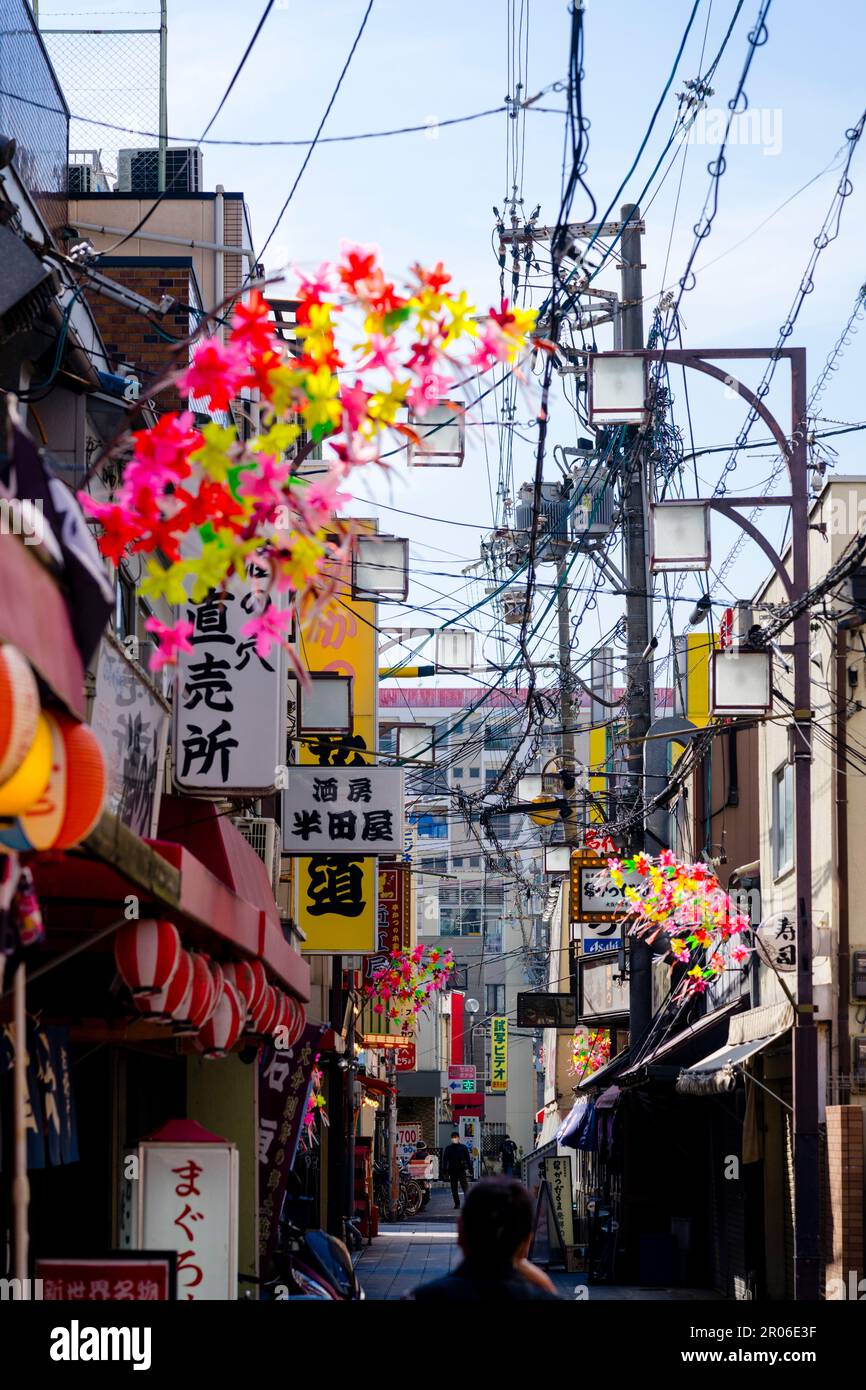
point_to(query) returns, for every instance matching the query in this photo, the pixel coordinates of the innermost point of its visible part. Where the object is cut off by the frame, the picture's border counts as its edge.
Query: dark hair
(454, 1134)
(495, 1220)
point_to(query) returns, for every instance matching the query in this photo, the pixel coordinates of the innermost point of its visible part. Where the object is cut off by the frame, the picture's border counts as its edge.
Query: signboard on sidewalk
(188, 1202)
(144, 1276)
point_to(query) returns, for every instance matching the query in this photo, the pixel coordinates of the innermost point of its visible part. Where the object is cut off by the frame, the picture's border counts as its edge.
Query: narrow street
(412, 1252)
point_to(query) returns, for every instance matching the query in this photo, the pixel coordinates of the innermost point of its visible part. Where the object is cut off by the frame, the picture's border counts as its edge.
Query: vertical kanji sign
(499, 1054)
(188, 1202)
(230, 703)
(336, 892)
(284, 1085)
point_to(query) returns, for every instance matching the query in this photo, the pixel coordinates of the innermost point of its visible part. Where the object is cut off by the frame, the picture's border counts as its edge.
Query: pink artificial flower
(321, 500)
(429, 392)
(321, 282)
(740, 954)
(267, 628)
(354, 401)
(215, 373)
(266, 481)
(172, 639)
(382, 352)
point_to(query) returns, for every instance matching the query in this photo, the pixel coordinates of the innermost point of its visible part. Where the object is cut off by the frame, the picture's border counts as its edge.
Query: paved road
(408, 1253)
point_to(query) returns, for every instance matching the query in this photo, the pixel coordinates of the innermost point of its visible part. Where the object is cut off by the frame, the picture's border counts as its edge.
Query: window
(490, 775)
(782, 826)
(500, 826)
(458, 771)
(475, 861)
(495, 999)
(475, 772)
(430, 827)
(457, 861)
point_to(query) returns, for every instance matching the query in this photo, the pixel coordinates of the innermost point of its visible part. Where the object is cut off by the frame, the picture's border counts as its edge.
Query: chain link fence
(111, 76)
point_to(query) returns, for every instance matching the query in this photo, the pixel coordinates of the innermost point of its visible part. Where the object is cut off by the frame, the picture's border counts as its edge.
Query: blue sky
(429, 198)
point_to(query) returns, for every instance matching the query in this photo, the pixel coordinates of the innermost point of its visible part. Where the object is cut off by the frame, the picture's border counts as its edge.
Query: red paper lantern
(263, 1016)
(260, 984)
(147, 954)
(19, 710)
(85, 780)
(239, 973)
(222, 1030)
(297, 1020)
(173, 1002)
(203, 999)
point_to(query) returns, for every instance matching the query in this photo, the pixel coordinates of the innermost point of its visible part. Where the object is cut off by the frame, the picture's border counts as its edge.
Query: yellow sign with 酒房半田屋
(499, 1053)
(337, 894)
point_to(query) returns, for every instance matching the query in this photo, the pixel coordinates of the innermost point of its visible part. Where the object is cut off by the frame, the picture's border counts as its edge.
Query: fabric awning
(749, 1033)
(663, 1053)
(374, 1085)
(34, 617)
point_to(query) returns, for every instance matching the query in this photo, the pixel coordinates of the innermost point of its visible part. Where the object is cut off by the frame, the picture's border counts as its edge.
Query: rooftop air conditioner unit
(261, 832)
(138, 170)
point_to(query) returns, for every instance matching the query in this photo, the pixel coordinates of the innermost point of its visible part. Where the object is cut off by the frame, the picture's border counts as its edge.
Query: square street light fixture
(680, 536)
(455, 649)
(416, 743)
(742, 682)
(530, 787)
(618, 389)
(557, 859)
(325, 704)
(380, 569)
(441, 435)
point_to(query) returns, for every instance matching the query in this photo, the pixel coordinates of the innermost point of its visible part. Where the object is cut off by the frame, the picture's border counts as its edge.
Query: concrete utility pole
(639, 700)
(571, 828)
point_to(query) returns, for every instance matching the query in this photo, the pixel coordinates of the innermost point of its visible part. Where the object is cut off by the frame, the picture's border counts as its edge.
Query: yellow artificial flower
(323, 406)
(284, 382)
(214, 458)
(384, 405)
(210, 569)
(167, 583)
(461, 312)
(277, 440)
(304, 562)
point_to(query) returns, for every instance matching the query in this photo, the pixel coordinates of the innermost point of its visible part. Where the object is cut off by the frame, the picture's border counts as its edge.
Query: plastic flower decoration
(408, 983)
(315, 1101)
(686, 902)
(590, 1050)
(203, 499)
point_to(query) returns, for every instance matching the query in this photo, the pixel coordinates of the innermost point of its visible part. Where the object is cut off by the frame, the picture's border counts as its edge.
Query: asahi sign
(230, 702)
(343, 810)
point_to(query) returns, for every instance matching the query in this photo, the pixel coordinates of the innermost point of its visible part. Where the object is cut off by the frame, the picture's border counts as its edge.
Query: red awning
(374, 1085)
(84, 894)
(34, 617)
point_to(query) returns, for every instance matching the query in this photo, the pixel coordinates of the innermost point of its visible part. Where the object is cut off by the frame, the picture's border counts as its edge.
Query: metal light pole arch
(795, 581)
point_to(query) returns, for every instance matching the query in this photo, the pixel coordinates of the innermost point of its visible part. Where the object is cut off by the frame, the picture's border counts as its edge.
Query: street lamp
(380, 568)
(680, 536)
(618, 388)
(616, 393)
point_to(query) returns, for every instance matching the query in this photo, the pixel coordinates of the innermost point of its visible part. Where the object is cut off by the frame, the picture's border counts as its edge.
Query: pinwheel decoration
(365, 351)
(590, 1050)
(687, 902)
(407, 984)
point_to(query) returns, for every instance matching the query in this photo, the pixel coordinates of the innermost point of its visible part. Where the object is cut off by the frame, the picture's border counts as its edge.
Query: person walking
(495, 1234)
(508, 1155)
(456, 1165)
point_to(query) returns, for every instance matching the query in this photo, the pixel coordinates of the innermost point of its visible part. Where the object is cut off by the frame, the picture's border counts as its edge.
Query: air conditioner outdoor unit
(262, 833)
(138, 170)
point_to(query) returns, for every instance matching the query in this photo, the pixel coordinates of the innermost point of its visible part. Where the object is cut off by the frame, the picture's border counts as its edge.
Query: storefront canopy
(660, 1061)
(748, 1034)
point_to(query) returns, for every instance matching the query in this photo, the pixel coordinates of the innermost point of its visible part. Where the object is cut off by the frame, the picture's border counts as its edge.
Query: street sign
(546, 1011)
(458, 1071)
(462, 1086)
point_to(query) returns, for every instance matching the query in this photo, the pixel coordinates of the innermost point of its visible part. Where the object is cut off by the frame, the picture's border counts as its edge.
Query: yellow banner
(499, 1054)
(336, 894)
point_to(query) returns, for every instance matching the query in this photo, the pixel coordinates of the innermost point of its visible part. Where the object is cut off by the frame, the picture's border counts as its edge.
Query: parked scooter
(314, 1265)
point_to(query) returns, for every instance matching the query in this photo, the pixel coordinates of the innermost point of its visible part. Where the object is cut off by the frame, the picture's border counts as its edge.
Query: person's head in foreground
(455, 1137)
(495, 1227)
(495, 1233)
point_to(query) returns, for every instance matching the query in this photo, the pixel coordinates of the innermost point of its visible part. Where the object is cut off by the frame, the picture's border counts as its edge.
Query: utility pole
(571, 828)
(638, 605)
(163, 91)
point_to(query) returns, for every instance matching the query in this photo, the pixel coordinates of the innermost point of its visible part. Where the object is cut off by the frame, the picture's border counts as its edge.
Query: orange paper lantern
(39, 827)
(19, 710)
(24, 788)
(86, 782)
